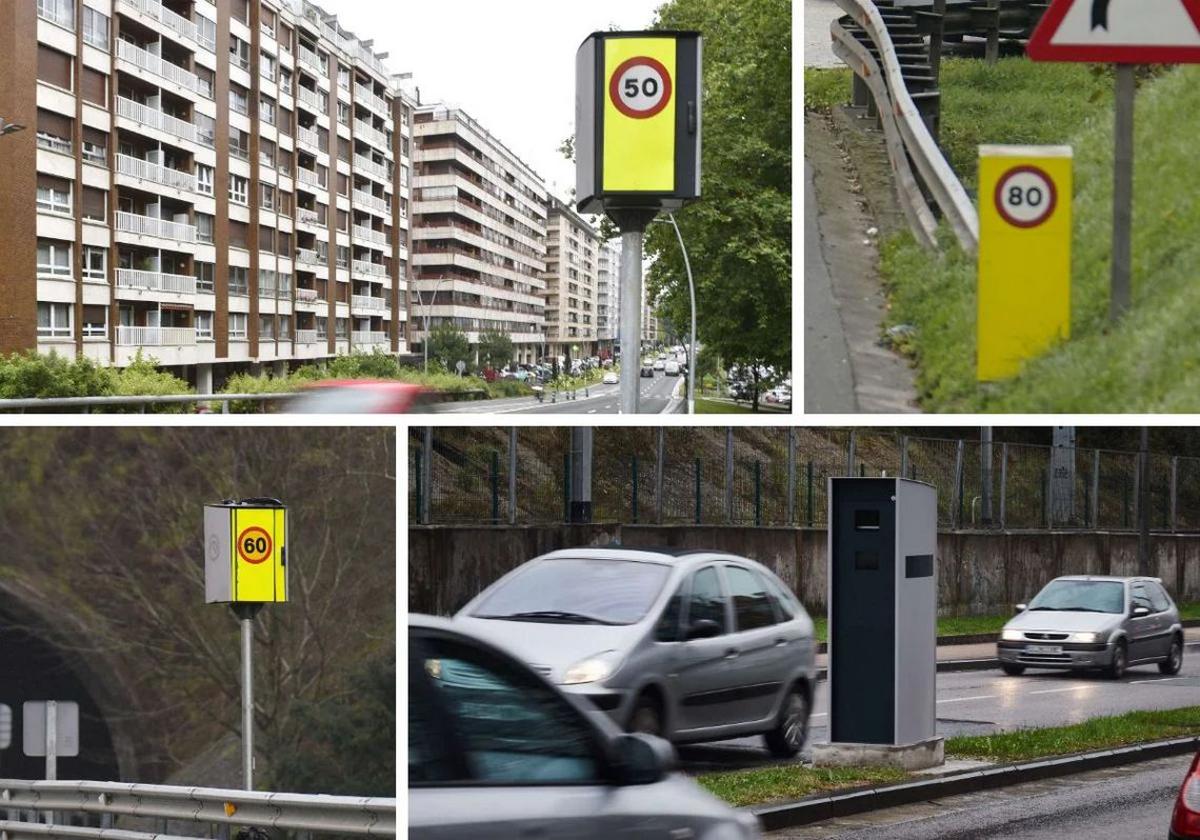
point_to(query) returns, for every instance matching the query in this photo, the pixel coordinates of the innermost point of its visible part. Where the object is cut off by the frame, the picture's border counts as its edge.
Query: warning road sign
(1119, 31)
(1025, 196)
(640, 87)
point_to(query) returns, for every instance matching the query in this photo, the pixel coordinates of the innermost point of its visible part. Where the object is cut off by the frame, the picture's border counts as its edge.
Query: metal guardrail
(909, 141)
(320, 813)
(88, 403)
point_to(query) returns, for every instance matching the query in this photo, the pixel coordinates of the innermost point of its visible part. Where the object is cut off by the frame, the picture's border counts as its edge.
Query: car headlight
(1085, 637)
(592, 669)
(1012, 636)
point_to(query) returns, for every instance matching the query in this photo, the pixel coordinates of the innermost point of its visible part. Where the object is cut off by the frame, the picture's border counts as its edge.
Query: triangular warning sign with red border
(1119, 31)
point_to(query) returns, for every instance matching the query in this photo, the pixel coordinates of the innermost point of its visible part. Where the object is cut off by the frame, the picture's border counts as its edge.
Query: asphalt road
(978, 702)
(1120, 803)
(601, 399)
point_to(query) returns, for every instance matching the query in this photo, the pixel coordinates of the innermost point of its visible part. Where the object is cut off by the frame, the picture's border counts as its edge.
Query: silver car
(689, 645)
(1083, 622)
(496, 751)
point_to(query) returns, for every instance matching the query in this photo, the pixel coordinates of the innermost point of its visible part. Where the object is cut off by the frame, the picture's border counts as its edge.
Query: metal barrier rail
(87, 403)
(368, 816)
(908, 137)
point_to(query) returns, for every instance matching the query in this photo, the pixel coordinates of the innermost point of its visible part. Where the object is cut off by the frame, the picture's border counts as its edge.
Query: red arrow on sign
(1119, 32)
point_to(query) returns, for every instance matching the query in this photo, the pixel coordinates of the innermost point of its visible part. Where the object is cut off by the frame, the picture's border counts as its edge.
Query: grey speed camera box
(882, 611)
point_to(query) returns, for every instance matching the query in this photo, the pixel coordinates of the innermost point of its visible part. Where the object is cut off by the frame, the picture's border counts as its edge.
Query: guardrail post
(512, 475)
(635, 490)
(1003, 486)
(659, 466)
(992, 54)
(729, 475)
(758, 494)
(936, 38)
(1095, 488)
(791, 476)
(495, 482)
(697, 491)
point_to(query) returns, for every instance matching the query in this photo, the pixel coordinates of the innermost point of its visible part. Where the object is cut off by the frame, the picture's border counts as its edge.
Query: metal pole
(1122, 245)
(659, 465)
(687, 264)
(1096, 488)
(985, 457)
(512, 476)
(1143, 504)
(1003, 483)
(850, 453)
(791, 476)
(631, 317)
(424, 478)
(581, 474)
(51, 742)
(247, 622)
(957, 513)
(729, 474)
(1174, 489)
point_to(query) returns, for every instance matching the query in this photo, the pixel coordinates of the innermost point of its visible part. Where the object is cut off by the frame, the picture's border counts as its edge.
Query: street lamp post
(687, 265)
(425, 307)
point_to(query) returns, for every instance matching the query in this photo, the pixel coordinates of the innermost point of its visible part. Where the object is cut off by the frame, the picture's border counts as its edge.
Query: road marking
(965, 699)
(1059, 690)
(593, 411)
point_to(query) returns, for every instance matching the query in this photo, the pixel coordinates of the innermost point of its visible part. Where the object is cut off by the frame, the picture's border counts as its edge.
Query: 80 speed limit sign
(1026, 196)
(640, 87)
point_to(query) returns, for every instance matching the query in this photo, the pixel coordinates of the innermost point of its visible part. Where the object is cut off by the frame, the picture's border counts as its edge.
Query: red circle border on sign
(998, 198)
(270, 544)
(614, 93)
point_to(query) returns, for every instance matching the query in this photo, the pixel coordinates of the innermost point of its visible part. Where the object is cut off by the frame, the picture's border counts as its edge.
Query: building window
(95, 204)
(266, 283)
(54, 67)
(343, 115)
(95, 87)
(95, 146)
(237, 234)
(95, 263)
(238, 187)
(207, 31)
(237, 100)
(54, 195)
(206, 78)
(204, 179)
(239, 283)
(285, 326)
(54, 131)
(239, 143)
(266, 326)
(53, 258)
(54, 320)
(95, 28)
(204, 277)
(239, 52)
(206, 130)
(204, 228)
(60, 12)
(237, 324)
(95, 321)
(204, 322)
(266, 66)
(266, 153)
(341, 327)
(268, 197)
(285, 80)
(283, 283)
(266, 109)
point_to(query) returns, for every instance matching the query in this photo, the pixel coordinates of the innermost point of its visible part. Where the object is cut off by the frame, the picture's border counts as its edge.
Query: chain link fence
(760, 476)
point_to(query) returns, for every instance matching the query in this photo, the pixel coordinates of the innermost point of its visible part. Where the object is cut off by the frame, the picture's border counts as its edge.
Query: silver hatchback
(691, 645)
(1083, 622)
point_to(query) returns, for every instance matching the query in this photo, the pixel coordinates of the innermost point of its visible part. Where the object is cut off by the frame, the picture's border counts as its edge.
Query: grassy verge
(707, 406)
(771, 784)
(1096, 734)
(825, 88)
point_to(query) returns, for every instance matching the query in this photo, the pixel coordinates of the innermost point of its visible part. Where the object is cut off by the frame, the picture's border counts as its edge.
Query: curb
(818, 809)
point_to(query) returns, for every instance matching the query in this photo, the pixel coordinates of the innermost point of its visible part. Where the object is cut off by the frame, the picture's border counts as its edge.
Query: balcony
(144, 170)
(305, 255)
(156, 336)
(368, 133)
(373, 304)
(376, 237)
(308, 138)
(149, 117)
(311, 60)
(369, 201)
(307, 176)
(181, 26)
(306, 336)
(306, 295)
(369, 337)
(155, 281)
(367, 166)
(151, 63)
(370, 268)
(150, 226)
(310, 217)
(375, 103)
(313, 100)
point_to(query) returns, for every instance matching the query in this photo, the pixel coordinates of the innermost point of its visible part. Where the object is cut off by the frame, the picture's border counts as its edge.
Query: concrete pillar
(279, 367)
(204, 379)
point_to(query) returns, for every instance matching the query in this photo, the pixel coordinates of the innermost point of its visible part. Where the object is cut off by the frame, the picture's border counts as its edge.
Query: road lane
(656, 397)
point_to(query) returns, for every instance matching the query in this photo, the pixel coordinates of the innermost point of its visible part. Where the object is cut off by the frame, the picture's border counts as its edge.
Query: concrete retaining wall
(979, 573)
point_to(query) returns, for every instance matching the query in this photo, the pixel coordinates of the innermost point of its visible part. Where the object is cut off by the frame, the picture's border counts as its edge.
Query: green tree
(449, 345)
(738, 235)
(495, 348)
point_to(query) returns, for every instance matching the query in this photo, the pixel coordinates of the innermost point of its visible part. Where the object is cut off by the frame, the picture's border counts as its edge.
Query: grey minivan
(690, 645)
(1086, 622)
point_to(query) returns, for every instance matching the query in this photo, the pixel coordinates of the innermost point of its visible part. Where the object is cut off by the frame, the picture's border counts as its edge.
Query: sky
(510, 65)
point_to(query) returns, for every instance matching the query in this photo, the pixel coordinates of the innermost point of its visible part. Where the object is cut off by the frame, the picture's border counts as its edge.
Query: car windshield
(1105, 596)
(577, 591)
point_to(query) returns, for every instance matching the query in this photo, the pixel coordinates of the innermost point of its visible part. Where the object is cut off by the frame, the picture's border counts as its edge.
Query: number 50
(648, 87)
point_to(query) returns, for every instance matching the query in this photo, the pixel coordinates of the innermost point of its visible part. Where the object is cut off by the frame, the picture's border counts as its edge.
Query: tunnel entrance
(31, 668)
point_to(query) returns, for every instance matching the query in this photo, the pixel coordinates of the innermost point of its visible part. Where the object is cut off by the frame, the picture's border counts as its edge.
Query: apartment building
(478, 234)
(651, 335)
(572, 283)
(608, 298)
(211, 184)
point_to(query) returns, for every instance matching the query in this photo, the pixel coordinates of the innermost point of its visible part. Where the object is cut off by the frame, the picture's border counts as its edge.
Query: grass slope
(1150, 361)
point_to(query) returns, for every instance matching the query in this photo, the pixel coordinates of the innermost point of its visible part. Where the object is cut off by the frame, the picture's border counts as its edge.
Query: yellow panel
(255, 554)
(639, 153)
(278, 559)
(1024, 258)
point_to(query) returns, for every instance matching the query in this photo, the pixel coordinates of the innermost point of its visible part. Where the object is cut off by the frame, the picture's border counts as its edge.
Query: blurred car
(647, 370)
(1082, 622)
(611, 378)
(650, 636)
(659, 364)
(363, 396)
(496, 751)
(1185, 820)
(780, 395)
(671, 368)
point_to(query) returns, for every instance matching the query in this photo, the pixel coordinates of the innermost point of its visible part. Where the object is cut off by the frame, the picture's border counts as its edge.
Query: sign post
(245, 565)
(1024, 298)
(637, 151)
(50, 729)
(1124, 34)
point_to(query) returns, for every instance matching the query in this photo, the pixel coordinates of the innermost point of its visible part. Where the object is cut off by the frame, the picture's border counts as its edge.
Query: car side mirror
(1022, 607)
(705, 628)
(640, 759)
(1138, 612)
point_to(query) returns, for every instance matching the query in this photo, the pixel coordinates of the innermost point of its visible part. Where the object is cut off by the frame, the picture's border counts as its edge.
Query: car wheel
(1174, 660)
(789, 734)
(647, 717)
(1013, 670)
(1116, 668)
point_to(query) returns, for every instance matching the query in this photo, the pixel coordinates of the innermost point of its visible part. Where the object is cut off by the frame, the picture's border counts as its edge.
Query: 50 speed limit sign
(640, 87)
(1026, 196)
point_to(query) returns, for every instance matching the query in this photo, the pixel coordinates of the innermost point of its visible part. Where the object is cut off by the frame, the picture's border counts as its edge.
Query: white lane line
(965, 699)
(1060, 690)
(1162, 680)
(593, 411)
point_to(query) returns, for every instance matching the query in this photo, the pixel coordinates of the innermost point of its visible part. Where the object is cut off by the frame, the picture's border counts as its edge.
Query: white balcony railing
(306, 255)
(179, 25)
(369, 337)
(306, 336)
(370, 167)
(310, 58)
(308, 137)
(147, 116)
(368, 133)
(309, 217)
(315, 101)
(150, 226)
(367, 234)
(306, 295)
(151, 63)
(370, 201)
(375, 304)
(307, 176)
(375, 103)
(146, 171)
(156, 336)
(371, 268)
(155, 281)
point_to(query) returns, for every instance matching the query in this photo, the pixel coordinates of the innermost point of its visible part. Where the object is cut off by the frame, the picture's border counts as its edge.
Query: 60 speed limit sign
(1026, 196)
(640, 87)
